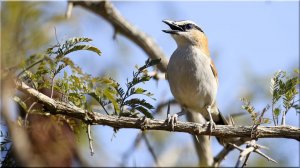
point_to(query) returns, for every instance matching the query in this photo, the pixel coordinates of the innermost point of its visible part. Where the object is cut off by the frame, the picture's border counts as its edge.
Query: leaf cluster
(49, 70)
(284, 90)
(123, 100)
(256, 116)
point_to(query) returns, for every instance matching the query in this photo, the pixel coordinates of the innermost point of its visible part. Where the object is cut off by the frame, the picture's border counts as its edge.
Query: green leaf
(83, 47)
(120, 91)
(145, 111)
(111, 98)
(135, 101)
(139, 91)
(266, 121)
(109, 81)
(75, 98)
(76, 40)
(70, 63)
(33, 58)
(20, 103)
(277, 111)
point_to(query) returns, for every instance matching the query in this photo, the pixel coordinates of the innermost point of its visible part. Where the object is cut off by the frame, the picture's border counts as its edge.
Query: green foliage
(76, 86)
(122, 99)
(48, 71)
(53, 61)
(141, 76)
(284, 90)
(257, 117)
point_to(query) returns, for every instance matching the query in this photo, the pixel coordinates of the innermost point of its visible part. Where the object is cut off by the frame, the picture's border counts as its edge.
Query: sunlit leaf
(83, 47)
(110, 97)
(277, 111)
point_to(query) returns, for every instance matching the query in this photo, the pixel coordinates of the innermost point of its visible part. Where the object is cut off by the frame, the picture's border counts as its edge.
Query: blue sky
(245, 38)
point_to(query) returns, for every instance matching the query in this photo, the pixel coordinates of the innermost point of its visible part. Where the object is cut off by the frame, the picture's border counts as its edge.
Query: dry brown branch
(224, 131)
(227, 148)
(107, 11)
(251, 147)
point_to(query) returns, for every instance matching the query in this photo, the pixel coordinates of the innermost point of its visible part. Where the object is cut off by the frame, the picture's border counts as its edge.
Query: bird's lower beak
(174, 27)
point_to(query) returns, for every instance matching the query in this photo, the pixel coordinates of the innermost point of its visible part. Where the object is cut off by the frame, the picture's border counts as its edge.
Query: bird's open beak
(173, 26)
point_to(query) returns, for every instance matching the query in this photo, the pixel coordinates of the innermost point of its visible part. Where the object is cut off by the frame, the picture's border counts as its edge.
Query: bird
(192, 74)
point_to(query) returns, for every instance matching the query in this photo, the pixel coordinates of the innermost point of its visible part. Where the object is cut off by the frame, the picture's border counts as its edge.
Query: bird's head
(187, 32)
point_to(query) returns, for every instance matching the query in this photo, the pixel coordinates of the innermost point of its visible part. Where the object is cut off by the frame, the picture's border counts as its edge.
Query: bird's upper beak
(174, 27)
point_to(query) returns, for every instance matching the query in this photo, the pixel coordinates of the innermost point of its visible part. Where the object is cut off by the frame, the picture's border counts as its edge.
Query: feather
(214, 70)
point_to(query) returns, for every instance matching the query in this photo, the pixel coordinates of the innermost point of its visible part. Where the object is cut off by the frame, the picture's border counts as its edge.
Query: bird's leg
(211, 123)
(172, 119)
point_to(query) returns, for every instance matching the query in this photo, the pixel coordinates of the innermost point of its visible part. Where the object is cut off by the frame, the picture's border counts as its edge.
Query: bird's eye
(188, 26)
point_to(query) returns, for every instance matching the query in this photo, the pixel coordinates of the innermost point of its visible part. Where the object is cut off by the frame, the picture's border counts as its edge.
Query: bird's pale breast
(191, 79)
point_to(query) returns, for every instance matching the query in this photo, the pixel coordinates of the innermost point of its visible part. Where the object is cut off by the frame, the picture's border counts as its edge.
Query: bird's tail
(224, 141)
(221, 119)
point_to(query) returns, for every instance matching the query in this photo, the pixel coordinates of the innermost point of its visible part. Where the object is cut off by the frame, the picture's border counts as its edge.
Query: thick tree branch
(106, 10)
(121, 25)
(224, 131)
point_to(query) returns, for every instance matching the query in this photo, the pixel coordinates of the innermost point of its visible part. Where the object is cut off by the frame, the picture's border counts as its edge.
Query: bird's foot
(172, 120)
(211, 126)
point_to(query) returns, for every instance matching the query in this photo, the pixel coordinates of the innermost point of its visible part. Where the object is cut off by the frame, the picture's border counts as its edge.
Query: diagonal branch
(107, 11)
(224, 131)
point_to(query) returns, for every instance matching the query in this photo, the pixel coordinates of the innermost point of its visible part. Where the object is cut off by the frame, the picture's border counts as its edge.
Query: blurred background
(249, 42)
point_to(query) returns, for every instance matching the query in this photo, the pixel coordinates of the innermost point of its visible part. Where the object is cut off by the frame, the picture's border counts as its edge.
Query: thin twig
(131, 149)
(264, 155)
(258, 122)
(244, 154)
(273, 113)
(27, 114)
(108, 11)
(52, 86)
(160, 106)
(168, 109)
(101, 104)
(221, 155)
(150, 149)
(251, 147)
(246, 159)
(283, 118)
(238, 162)
(32, 65)
(90, 139)
(237, 147)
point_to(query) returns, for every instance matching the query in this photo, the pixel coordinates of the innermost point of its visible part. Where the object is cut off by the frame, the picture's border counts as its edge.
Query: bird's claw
(211, 127)
(172, 120)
